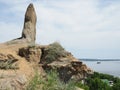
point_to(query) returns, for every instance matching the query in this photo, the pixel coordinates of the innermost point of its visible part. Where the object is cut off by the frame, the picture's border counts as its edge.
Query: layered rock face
(55, 57)
(68, 69)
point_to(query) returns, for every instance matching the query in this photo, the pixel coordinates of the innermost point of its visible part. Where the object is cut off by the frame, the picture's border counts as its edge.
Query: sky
(86, 28)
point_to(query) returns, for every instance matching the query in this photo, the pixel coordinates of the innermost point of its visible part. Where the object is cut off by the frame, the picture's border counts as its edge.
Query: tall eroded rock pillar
(29, 28)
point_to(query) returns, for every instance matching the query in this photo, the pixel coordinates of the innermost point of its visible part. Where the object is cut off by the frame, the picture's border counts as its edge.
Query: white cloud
(82, 24)
(13, 2)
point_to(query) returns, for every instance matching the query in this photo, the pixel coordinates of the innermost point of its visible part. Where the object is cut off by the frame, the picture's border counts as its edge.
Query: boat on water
(98, 62)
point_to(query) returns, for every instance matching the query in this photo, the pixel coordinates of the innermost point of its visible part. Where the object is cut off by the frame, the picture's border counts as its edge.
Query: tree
(116, 86)
(97, 84)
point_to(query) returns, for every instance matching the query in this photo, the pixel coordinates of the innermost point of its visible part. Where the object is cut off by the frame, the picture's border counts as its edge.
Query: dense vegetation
(95, 82)
(52, 82)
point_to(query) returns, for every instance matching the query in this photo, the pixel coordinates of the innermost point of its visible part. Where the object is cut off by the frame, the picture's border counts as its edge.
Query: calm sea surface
(108, 67)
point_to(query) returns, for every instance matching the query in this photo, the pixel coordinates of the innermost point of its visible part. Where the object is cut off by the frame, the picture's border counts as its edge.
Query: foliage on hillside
(95, 82)
(53, 52)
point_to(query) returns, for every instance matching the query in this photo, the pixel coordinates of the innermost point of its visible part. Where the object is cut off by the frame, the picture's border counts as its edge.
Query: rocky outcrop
(55, 57)
(29, 28)
(16, 71)
(21, 57)
(32, 54)
(69, 69)
(4, 56)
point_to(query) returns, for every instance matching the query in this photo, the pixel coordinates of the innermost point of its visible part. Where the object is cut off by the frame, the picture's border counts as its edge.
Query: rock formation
(15, 71)
(32, 54)
(69, 69)
(55, 57)
(21, 57)
(29, 28)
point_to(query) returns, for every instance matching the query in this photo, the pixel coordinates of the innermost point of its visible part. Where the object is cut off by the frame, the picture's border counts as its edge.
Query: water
(107, 67)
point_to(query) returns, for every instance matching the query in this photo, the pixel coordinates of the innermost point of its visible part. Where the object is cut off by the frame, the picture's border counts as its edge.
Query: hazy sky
(87, 28)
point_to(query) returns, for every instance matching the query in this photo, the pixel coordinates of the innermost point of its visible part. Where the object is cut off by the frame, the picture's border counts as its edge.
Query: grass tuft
(52, 82)
(8, 64)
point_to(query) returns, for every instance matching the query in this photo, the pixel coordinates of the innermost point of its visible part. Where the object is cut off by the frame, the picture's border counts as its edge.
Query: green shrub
(97, 84)
(54, 83)
(8, 64)
(80, 85)
(102, 76)
(35, 83)
(116, 86)
(53, 52)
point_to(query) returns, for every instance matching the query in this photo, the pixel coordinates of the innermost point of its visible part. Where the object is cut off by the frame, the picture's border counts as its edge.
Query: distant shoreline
(104, 66)
(99, 59)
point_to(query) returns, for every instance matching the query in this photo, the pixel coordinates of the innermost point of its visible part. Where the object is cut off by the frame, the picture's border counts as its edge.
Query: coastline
(106, 67)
